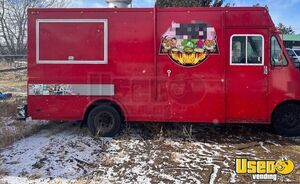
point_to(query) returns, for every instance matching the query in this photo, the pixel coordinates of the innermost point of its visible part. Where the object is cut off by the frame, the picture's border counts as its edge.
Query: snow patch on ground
(65, 153)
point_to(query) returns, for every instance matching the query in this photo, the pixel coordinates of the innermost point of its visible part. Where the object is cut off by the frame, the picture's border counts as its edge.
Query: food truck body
(108, 66)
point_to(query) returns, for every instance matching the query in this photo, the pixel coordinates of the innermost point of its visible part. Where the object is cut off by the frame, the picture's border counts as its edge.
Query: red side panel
(254, 18)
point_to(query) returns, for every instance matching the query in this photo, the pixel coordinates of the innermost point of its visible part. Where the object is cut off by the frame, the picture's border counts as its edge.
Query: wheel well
(100, 102)
(296, 102)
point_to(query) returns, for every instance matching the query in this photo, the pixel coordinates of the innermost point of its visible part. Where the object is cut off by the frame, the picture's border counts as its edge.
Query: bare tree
(189, 3)
(285, 29)
(13, 23)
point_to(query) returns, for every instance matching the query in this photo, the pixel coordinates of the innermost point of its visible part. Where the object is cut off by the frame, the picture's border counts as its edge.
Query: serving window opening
(71, 41)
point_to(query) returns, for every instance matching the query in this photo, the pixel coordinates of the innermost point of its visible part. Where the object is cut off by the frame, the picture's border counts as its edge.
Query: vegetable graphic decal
(189, 44)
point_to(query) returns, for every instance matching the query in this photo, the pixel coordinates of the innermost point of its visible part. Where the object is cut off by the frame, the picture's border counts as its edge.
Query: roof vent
(119, 3)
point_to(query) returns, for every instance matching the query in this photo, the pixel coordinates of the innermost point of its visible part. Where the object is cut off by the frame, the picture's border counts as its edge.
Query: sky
(284, 11)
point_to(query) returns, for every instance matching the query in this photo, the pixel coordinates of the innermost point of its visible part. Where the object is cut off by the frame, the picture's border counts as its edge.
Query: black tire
(286, 120)
(104, 121)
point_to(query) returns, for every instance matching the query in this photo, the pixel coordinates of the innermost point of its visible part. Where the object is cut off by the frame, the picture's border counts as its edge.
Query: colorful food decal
(189, 44)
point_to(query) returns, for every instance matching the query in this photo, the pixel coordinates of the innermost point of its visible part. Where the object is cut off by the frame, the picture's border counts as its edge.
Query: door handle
(266, 70)
(169, 73)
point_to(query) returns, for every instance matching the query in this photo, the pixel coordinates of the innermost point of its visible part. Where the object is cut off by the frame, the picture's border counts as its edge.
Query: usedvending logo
(264, 169)
(189, 44)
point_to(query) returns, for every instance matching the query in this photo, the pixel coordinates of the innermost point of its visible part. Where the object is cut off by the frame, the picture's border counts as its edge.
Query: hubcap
(290, 119)
(104, 122)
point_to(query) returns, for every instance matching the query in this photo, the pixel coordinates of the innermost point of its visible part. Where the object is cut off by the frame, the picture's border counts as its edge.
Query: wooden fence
(13, 62)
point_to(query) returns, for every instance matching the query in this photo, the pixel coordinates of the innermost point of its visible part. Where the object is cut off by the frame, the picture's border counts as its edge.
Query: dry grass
(10, 129)
(2, 173)
(160, 131)
(19, 131)
(8, 108)
(82, 181)
(4, 65)
(14, 82)
(2, 182)
(107, 161)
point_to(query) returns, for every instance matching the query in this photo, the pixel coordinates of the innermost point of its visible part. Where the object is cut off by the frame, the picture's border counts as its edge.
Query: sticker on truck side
(189, 44)
(72, 89)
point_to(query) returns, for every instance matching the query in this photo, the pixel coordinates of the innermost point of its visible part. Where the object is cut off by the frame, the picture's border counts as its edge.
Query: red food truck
(114, 65)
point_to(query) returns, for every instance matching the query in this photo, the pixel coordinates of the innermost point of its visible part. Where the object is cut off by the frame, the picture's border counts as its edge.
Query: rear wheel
(286, 120)
(105, 121)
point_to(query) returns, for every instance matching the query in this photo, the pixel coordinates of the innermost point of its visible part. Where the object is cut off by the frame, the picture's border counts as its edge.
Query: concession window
(71, 41)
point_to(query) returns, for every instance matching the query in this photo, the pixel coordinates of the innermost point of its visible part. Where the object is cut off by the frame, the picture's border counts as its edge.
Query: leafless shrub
(188, 131)
(161, 132)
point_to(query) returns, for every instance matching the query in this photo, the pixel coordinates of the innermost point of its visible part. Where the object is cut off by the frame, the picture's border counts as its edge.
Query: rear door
(247, 75)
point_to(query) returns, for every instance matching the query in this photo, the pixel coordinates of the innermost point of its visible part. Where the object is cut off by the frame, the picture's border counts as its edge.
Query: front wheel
(286, 120)
(105, 121)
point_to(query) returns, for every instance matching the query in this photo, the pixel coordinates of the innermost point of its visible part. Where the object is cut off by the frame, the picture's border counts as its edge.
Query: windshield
(277, 56)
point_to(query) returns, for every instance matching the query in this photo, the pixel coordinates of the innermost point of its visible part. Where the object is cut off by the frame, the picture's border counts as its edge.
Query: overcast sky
(285, 11)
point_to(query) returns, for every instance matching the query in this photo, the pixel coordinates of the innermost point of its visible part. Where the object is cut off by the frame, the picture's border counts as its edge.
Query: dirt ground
(62, 152)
